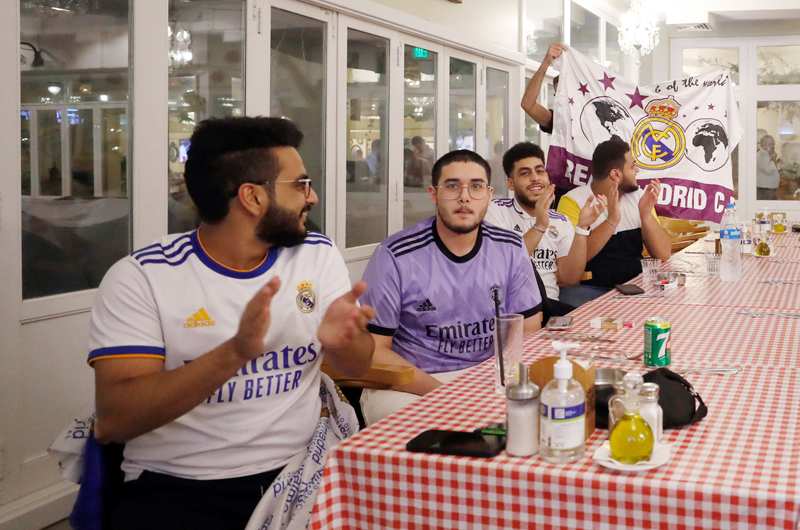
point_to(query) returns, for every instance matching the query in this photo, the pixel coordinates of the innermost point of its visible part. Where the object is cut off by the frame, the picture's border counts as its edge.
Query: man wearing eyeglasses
(433, 286)
(557, 250)
(207, 345)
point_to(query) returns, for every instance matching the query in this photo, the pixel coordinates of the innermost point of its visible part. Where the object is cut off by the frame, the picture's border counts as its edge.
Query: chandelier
(639, 31)
(180, 45)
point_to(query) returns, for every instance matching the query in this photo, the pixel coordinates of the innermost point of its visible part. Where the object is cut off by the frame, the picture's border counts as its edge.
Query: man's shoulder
(580, 194)
(408, 240)
(172, 250)
(558, 217)
(501, 236)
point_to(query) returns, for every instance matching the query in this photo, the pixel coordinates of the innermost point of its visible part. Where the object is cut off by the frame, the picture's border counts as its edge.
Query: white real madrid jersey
(555, 243)
(172, 301)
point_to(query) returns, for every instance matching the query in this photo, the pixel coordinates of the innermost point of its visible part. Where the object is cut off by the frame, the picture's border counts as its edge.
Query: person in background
(767, 175)
(530, 104)
(614, 247)
(423, 155)
(207, 345)
(373, 159)
(557, 250)
(433, 284)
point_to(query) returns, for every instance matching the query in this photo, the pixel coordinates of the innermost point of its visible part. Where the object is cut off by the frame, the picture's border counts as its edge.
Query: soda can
(657, 337)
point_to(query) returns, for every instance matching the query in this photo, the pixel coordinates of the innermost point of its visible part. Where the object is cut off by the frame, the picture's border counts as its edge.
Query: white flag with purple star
(681, 132)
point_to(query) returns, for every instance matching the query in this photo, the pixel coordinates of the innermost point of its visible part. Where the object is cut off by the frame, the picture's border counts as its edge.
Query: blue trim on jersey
(316, 238)
(501, 235)
(126, 350)
(556, 215)
(230, 273)
(505, 203)
(172, 263)
(163, 253)
(163, 249)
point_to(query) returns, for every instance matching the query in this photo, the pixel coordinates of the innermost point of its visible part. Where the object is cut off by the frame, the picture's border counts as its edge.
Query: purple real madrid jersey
(439, 307)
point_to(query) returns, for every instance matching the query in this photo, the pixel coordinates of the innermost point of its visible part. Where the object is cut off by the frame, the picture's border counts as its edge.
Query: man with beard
(433, 286)
(556, 249)
(614, 247)
(211, 393)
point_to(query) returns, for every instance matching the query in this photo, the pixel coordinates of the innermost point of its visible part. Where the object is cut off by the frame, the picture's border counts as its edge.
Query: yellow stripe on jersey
(128, 356)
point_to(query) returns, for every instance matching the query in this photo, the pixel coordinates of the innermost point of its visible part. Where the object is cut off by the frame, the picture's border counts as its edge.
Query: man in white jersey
(557, 250)
(207, 345)
(434, 286)
(614, 247)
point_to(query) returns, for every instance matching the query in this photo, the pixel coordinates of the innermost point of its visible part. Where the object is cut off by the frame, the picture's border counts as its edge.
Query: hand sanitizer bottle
(562, 422)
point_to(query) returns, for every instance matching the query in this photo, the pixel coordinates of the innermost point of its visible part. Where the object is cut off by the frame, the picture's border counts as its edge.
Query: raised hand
(249, 339)
(593, 209)
(543, 204)
(613, 205)
(345, 320)
(554, 51)
(650, 197)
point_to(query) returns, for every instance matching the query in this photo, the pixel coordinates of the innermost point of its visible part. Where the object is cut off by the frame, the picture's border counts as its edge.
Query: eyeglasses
(305, 183)
(453, 190)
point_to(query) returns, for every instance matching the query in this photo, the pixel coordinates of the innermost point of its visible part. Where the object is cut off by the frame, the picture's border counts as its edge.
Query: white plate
(661, 455)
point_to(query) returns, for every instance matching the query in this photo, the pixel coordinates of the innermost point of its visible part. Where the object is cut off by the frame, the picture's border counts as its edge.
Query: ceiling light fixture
(54, 88)
(638, 32)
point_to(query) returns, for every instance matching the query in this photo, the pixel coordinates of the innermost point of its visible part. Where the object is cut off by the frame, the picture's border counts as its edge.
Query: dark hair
(555, 81)
(607, 156)
(226, 153)
(461, 155)
(417, 140)
(519, 152)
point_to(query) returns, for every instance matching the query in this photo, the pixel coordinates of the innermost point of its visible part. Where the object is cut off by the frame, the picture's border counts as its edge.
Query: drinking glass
(650, 269)
(712, 264)
(507, 350)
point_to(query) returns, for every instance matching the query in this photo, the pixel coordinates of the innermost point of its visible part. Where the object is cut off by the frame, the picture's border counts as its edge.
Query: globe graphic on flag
(603, 119)
(707, 144)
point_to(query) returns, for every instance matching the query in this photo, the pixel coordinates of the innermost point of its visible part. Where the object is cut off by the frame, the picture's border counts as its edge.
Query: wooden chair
(682, 232)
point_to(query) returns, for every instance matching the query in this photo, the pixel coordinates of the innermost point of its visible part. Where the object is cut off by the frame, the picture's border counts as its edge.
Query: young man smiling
(432, 286)
(556, 249)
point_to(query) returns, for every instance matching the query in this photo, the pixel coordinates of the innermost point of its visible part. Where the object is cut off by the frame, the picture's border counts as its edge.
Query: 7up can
(657, 334)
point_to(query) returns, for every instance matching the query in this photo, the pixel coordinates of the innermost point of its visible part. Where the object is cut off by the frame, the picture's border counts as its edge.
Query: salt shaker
(522, 416)
(651, 411)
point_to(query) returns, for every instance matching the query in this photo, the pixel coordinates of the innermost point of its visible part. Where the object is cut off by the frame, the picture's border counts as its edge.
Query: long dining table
(737, 468)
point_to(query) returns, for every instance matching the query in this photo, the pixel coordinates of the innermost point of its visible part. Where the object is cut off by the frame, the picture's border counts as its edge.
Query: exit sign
(420, 52)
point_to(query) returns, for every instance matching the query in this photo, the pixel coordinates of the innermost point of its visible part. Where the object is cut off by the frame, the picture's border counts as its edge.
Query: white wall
(496, 21)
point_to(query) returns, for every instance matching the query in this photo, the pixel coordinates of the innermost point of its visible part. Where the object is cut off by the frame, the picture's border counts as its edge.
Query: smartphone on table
(629, 289)
(559, 323)
(457, 443)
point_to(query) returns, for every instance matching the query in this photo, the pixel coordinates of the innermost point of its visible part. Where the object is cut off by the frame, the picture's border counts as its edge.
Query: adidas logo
(199, 320)
(517, 229)
(426, 306)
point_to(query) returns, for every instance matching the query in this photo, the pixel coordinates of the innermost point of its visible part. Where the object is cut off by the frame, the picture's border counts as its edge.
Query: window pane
(367, 133)
(419, 149)
(81, 152)
(532, 132)
(206, 76)
(297, 92)
(543, 26)
(74, 83)
(697, 61)
(778, 156)
(497, 126)
(615, 59)
(585, 31)
(462, 104)
(779, 65)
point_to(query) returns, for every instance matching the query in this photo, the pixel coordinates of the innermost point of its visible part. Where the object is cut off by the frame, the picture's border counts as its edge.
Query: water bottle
(730, 234)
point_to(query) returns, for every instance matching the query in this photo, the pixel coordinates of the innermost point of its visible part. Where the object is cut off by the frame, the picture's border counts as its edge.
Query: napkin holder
(541, 373)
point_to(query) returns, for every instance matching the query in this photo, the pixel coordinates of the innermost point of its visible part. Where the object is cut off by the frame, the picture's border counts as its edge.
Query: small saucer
(661, 455)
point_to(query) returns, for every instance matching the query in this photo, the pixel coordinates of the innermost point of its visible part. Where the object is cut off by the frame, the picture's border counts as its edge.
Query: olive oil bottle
(632, 438)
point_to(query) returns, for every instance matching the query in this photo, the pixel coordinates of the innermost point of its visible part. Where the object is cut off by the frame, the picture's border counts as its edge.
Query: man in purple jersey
(432, 286)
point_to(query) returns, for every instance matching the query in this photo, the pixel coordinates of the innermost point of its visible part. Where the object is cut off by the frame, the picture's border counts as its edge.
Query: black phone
(629, 289)
(457, 443)
(795, 228)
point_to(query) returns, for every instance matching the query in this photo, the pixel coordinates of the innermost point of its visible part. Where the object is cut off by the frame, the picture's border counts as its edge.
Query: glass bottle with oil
(764, 247)
(632, 439)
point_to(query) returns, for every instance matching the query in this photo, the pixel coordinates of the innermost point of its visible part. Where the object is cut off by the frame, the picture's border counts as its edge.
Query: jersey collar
(446, 251)
(219, 268)
(519, 210)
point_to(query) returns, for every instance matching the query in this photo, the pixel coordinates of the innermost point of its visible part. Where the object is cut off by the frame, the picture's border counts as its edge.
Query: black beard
(524, 200)
(627, 188)
(459, 229)
(281, 227)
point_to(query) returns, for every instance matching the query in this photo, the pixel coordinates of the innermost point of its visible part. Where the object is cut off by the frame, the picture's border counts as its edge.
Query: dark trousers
(155, 501)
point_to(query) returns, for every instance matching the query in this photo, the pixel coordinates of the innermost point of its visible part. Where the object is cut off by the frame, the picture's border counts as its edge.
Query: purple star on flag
(608, 82)
(571, 101)
(583, 89)
(710, 106)
(697, 108)
(726, 113)
(636, 99)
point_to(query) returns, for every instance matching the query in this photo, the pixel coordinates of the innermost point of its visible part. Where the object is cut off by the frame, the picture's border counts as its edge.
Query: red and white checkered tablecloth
(738, 468)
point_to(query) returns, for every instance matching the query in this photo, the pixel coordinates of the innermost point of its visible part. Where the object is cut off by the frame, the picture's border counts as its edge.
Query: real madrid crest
(306, 299)
(552, 232)
(658, 141)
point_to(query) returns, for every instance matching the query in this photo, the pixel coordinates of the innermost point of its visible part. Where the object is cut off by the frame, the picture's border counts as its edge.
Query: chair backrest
(379, 376)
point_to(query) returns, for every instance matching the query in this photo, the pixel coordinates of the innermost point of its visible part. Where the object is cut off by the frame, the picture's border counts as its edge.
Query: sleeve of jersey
(524, 296)
(493, 216)
(565, 244)
(336, 278)
(383, 292)
(570, 208)
(125, 322)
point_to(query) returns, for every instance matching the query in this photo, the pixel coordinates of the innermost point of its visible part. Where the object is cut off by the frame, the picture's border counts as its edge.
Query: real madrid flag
(681, 132)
